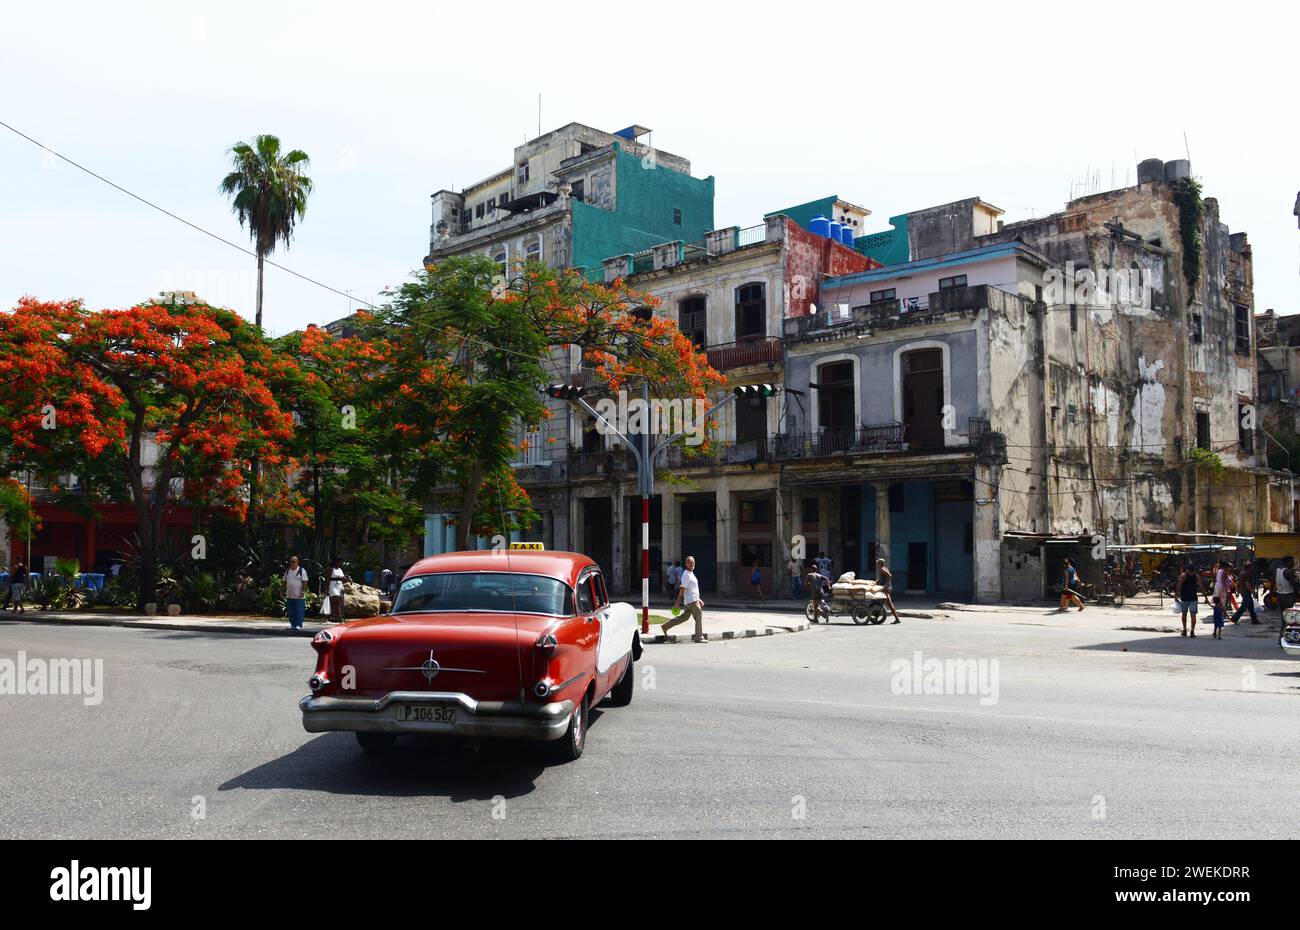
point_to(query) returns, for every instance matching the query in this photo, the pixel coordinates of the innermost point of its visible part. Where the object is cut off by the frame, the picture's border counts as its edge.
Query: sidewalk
(265, 626)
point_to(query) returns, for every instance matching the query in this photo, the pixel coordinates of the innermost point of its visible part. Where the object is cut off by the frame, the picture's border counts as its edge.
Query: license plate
(426, 713)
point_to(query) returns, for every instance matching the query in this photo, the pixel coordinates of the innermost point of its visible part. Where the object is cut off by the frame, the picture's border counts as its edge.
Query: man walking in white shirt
(688, 598)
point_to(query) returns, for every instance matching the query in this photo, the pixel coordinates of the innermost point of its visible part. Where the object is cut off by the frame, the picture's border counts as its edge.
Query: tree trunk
(469, 503)
(260, 261)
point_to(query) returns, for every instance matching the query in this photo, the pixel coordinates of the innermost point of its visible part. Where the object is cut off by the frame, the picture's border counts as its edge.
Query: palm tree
(270, 195)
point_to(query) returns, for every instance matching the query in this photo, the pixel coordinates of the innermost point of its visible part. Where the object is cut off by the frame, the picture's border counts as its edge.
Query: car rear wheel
(570, 746)
(376, 742)
(621, 694)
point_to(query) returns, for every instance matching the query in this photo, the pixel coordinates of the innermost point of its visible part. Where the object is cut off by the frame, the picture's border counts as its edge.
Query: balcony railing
(881, 437)
(751, 235)
(746, 352)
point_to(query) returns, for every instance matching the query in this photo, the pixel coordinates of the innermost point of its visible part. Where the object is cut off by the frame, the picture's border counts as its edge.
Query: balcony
(881, 437)
(761, 351)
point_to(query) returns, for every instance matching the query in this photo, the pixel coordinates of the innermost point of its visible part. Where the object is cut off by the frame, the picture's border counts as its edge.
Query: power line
(179, 219)
(252, 254)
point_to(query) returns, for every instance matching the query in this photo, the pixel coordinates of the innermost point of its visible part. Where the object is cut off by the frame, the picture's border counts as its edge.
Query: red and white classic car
(490, 644)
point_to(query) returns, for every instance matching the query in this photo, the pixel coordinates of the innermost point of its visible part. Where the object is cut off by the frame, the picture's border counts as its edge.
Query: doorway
(923, 399)
(918, 566)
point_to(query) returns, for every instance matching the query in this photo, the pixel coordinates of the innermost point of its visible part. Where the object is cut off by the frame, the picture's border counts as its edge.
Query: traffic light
(756, 390)
(565, 391)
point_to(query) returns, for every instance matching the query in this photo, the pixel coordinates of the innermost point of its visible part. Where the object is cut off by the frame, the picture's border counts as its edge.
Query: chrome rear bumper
(480, 719)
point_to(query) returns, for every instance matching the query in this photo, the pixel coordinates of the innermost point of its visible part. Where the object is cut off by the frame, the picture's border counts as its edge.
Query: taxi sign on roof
(528, 545)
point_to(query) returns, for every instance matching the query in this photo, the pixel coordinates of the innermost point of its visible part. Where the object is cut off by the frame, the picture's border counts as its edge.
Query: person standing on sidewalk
(885, 578)
(796, 572)
(336, 579)
(756, 582)
(1219, 598)
(688, 598)
(1246, 587)
(1188, 591)
(295, 593)
(18, 586)
(1285, 584)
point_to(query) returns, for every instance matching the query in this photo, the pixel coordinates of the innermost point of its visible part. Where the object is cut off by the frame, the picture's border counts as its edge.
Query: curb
(216, 627)
(729, 634)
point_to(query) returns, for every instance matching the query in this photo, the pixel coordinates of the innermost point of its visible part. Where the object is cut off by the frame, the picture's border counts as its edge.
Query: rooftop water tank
(1178, 169)
(1150, 169)
(846, 235)
(836, 230)
(820, 226)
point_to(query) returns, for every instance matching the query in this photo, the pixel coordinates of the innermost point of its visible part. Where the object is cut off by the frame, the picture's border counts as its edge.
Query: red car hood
(479, 654)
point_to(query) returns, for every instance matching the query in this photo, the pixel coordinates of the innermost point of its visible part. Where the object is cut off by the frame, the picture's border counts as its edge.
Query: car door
(590, 615)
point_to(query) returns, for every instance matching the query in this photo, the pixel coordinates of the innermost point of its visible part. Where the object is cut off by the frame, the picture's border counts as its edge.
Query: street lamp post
(645, 460)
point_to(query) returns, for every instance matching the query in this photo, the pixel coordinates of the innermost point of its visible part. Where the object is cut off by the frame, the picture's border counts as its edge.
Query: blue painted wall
(941, 525)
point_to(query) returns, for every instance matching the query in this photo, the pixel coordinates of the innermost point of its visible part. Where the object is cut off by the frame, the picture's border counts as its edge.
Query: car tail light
(317, 683)
(547, 644)
(542, 689)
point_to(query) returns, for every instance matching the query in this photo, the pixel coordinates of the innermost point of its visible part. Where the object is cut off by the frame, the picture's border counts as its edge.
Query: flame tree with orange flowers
(471, 346)
(88, 392)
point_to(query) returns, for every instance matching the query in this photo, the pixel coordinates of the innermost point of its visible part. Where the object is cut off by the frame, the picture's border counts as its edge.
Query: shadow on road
(415, 767)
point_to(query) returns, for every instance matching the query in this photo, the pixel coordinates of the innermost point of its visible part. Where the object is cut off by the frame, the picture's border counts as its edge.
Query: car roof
(562, 565)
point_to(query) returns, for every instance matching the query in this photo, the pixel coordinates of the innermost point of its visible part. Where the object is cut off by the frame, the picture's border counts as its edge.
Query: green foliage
(1207, 461)
(270, 598)
(1191, 210)
(16, 510)
(198, 592)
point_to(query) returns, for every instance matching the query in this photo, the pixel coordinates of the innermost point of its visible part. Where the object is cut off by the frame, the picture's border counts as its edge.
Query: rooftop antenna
(539, 115)
(1187, 148)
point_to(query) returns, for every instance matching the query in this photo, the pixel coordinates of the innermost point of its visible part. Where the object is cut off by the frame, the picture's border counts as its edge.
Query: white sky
(892, 109)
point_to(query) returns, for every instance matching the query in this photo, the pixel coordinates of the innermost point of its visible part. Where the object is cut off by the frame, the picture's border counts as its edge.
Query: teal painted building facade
(931, 536)
(653, 204)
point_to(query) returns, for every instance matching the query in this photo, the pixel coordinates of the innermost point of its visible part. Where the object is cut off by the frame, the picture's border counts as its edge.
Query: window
(809, 507)
(755, 511)
(491, 204)
(1202, 430)
(835, 405)
(751, 312)
(586, 598)
(1245, 430)
(947, 284)
(535, 249)
(579, 189)
(1241, 322)
(500, 259)
(887, 294)
(598, 585)
(478, 212)
(1198, 335)
(677, 217)
(1074, 318)
(692, 319)
(752, 554)
(486, 592)
(504, 198)
(896, 497)
(523, 173)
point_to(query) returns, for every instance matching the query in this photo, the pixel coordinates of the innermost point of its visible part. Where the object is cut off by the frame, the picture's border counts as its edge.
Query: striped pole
(645, 563)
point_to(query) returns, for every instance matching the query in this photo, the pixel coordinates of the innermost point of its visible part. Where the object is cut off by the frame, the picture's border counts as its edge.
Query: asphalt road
(1092, 733)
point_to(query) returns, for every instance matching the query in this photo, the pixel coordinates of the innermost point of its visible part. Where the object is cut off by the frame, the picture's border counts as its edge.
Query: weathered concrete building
(733, 293)
(1134, 408)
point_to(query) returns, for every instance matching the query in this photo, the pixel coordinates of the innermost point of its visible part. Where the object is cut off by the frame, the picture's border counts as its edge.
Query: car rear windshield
(485, 591)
